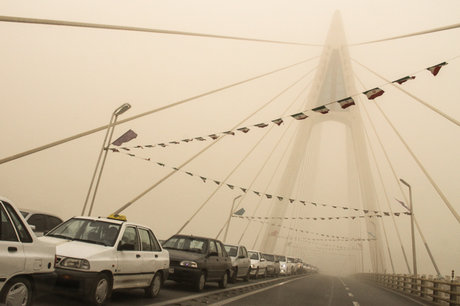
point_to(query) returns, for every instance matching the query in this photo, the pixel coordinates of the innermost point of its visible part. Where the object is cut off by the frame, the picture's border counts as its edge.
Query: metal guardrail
(438, 291)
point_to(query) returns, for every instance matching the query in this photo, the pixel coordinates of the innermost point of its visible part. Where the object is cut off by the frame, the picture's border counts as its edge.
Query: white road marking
(254, 292)
(350, 294)
(342, 282)
(346, 288)
(355, 303)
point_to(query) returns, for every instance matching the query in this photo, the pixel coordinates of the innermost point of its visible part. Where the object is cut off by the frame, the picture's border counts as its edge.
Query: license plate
(171, 270)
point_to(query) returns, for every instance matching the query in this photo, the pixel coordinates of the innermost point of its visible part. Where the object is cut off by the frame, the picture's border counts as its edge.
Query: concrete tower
(333, 81)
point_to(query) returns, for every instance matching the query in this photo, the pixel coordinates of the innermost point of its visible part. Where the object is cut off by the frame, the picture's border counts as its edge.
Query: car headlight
(75, 263)
(253, 266)
(189, 264)
(283, 266)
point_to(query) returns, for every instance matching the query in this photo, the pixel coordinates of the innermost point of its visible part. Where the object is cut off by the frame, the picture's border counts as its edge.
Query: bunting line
(323, 218)
(337, 238)
(371, 94)
(246, 190)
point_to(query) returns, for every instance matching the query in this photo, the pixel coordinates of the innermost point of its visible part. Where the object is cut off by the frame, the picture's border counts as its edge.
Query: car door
(129, 260)
(214, 266)
(245, 263)
(11, 249)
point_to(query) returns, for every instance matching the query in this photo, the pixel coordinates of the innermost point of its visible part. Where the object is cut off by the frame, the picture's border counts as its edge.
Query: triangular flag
(277, 121)
(404, 79)
(299, 116)
(200, 138)
(321, 109)
(280, 198)
(243, 189)
(373, 93)
(269, 196)
(213, 136)
(230, 186)
(243, 129)
(129, 135)
(239, 212)
(261, 125)
(344, 103)
(203, 178)
(229, 133)
(435, 69)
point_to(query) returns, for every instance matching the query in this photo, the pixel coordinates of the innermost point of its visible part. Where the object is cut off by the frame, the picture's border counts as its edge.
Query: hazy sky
(59, 81)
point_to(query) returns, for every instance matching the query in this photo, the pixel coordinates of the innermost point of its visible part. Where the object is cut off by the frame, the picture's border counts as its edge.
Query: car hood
(179, 255)
(78, 249)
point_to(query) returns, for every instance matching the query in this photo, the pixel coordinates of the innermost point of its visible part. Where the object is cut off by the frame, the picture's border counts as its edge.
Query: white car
(258, 264)
(240, 262)
(26, 262)
(285, 267)
(97, 255)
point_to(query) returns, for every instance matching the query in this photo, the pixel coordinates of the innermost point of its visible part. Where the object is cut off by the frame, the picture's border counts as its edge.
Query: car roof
(33, 211)
(193, 236)
(109, 220)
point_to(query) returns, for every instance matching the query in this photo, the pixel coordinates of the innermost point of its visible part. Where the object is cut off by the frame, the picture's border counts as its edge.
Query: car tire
(100, 290)
(200, 282)
(234, 276)
(223, 282)
(246, 277)
(17, 291)
(155, 286)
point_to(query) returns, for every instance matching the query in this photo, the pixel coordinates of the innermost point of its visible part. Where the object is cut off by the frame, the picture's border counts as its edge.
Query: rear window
(20, 227)
(231, 250)
(253, 255)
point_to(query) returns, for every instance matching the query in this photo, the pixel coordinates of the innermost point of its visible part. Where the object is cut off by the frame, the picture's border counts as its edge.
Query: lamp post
(230, 217)
(103, 154)
(414, 260)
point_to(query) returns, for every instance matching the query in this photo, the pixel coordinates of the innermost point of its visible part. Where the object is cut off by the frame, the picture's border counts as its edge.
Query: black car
(198, 260)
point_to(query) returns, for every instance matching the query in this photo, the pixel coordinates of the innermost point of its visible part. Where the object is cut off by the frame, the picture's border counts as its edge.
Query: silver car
(240, 261)
(258, 264)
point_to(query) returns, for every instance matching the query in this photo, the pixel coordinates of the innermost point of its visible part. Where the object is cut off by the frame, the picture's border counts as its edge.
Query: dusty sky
(59, 81)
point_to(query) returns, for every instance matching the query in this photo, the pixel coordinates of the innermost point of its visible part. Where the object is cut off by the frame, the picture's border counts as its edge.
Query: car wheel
(246, 277)
(223, 282)
(17, 291)
(234, 275)
(199, 285)
(101, 290)
(155, 286)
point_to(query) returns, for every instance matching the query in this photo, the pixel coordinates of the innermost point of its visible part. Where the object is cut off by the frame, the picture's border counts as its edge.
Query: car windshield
(282, 258)
(253, 255)
(188, 244)
(231, 250)
(269, 257)
(92, 231)
(290, 259)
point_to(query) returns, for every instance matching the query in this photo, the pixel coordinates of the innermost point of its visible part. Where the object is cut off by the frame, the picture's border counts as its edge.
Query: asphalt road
(314, 289)
(324, 290)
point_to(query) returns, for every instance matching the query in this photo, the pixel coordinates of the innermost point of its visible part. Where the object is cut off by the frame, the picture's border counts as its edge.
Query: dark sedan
(198, 260)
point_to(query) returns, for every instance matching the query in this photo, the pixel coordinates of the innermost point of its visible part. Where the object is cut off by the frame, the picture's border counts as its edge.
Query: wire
(450, 27)
(140, 29)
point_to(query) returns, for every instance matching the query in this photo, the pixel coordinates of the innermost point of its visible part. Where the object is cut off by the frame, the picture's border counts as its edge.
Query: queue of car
(93, 256)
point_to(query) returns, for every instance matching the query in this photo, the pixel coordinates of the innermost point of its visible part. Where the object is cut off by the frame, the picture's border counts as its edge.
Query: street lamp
(414, 260)
(110, 128)
(230, 217)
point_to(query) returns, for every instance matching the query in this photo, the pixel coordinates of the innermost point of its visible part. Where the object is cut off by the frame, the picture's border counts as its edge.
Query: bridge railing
(435, 290)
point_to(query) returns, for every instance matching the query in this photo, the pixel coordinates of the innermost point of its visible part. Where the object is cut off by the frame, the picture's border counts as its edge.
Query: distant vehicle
(285, 267)
(24, 258)
(40, 222)
(258, 264)
(241, 264)
(97, 255)
(273, 267)
(292, 264)
(197, 260)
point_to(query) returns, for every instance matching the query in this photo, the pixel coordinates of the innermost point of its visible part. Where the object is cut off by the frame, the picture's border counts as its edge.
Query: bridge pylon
(334, 80)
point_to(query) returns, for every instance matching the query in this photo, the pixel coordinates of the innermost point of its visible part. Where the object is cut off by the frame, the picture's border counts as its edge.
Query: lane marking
(332, 292)
(350, 294)
(346, 288)
(355, 303)
(342, 281)
(236, 298)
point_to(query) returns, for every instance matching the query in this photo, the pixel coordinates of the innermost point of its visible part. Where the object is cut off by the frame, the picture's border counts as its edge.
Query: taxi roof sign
(117, 217)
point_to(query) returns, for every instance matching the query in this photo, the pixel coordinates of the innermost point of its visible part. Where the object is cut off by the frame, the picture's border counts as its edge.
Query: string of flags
(328, 237)
(323, 109)
(323, 218)
(257, 193)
